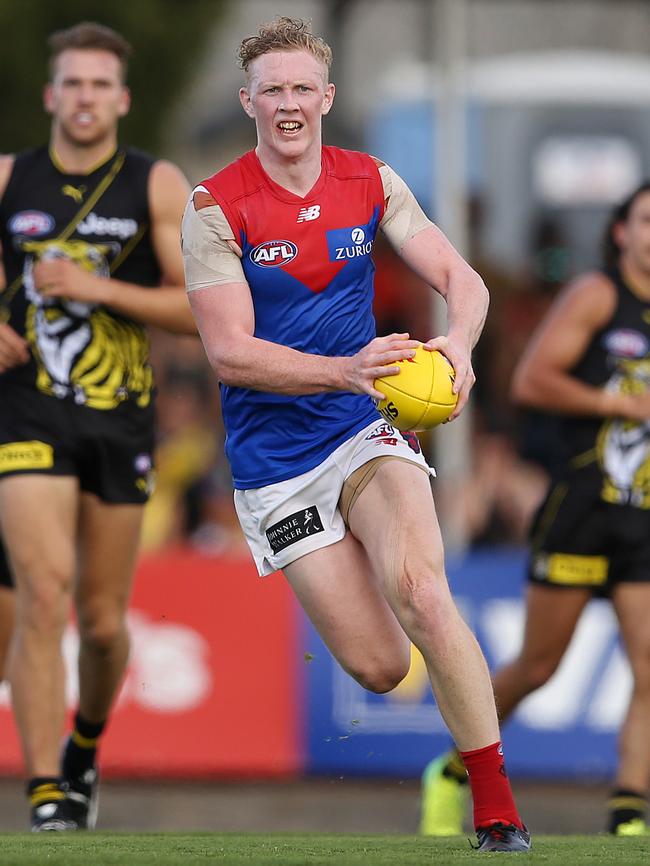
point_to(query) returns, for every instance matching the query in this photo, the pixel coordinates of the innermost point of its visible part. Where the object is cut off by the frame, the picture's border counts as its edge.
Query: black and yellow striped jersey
(100, 220)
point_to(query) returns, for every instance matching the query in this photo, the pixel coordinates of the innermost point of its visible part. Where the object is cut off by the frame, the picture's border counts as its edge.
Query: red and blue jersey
(309, 267)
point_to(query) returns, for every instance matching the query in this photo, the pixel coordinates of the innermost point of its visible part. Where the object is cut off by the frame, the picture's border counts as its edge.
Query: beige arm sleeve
(403, 217)
(208, 258)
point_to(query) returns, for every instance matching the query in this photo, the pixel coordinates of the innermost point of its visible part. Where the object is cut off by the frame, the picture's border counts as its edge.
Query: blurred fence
(227, 679)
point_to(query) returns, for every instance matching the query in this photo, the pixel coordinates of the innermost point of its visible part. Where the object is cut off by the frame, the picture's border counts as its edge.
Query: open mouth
(83, 118)
(289, 127)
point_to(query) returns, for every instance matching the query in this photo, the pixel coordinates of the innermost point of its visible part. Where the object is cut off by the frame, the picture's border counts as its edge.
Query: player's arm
(543, 377)
(166, 306)
(223, 308)
(427, 251)
(13, 349)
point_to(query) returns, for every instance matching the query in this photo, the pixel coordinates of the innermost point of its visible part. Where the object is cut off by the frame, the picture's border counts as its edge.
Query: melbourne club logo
(411, 440)
(273, 254)
(305, 214)
(293, 528)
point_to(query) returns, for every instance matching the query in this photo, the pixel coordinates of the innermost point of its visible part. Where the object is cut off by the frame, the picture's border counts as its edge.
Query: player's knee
(424, 596)
(380, 677)
(100, 633)
(44, 603)
(539, 671)
(380, 681)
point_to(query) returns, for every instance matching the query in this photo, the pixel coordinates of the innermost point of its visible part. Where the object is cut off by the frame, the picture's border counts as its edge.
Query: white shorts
(284, 521)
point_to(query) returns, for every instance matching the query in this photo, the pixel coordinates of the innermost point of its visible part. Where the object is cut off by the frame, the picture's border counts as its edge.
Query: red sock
(493, 800)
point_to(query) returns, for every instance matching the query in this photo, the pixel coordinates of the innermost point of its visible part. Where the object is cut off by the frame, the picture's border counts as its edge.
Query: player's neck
(295, 175)
(637, 279)
(73, 158)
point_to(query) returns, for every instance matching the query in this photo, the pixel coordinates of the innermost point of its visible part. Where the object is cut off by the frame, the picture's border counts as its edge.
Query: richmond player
(90, 244)
(589, 362)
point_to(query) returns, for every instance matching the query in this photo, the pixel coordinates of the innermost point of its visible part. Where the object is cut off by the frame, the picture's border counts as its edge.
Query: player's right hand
(374, 361)
(13, 349)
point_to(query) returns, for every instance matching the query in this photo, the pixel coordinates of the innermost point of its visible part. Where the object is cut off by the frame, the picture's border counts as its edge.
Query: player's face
(633, 236)
(86, 96)
(287, 95)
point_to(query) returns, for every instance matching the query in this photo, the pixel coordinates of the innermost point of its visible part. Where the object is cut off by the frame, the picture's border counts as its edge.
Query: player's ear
(48, 98)
(245, 99)
(125, 102)
(328, 98)
(619, 233)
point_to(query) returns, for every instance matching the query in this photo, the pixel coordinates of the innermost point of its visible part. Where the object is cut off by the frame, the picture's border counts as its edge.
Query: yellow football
(420, 395)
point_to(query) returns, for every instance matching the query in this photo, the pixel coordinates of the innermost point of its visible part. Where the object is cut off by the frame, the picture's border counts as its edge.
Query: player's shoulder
(146, 164)
(22, 162)
(592, 285)
(350, 163)
(237, 179)
(138, 157)
(7, 162)
(164, 172)
(592, 295)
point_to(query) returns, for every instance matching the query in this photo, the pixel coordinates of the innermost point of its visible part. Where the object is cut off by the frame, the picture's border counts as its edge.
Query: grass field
(226, 849)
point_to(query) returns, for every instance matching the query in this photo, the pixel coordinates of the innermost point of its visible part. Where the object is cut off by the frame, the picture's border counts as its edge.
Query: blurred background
(518, 124)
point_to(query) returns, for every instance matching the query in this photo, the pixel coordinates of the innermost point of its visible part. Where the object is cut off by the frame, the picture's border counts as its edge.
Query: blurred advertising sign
(212, 684)
(568, 728)
(571, 170)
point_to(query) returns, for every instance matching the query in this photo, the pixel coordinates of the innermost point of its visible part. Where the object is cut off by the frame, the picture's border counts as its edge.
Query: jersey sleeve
(208, 258)
(403, 217)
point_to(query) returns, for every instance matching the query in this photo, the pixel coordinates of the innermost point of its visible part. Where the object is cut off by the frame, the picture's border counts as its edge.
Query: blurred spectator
(518, 303)
(192, 501)
(403, 302)
(495, 500)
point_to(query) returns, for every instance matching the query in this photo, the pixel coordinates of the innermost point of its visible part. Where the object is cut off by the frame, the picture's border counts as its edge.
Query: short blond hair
(284, 34)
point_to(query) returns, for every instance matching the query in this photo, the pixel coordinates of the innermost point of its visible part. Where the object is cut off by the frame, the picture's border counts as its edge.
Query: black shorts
(578, 540)
(109, 451)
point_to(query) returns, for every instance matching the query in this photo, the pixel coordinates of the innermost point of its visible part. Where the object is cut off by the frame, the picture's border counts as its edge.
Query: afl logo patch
(31, 222)
(273, 254)
(626, 343)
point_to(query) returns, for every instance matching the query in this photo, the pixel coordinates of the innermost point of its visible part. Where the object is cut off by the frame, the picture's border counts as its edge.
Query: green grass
(254, 849)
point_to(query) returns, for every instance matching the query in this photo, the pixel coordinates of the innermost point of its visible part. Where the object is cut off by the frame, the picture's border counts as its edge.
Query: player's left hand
(62, 278)
(460, 357)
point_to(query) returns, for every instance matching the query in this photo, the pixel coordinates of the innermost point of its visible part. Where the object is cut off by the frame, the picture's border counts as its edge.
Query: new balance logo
(308, 213)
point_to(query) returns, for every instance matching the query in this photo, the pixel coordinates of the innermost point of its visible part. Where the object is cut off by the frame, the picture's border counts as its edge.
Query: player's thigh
(552, 614)
(109, 538)
(38, 522)
(632, 606)
(395, 520)
(342, 597)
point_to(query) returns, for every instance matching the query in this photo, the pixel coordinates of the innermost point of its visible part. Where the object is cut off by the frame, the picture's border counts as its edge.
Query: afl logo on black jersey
(626, 343)
(33, 223)
(273, 254)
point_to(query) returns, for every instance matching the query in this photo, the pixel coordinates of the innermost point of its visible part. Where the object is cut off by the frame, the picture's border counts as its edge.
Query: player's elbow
(483, 292)
(223, 361)
(525, 390)
(223, 370)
